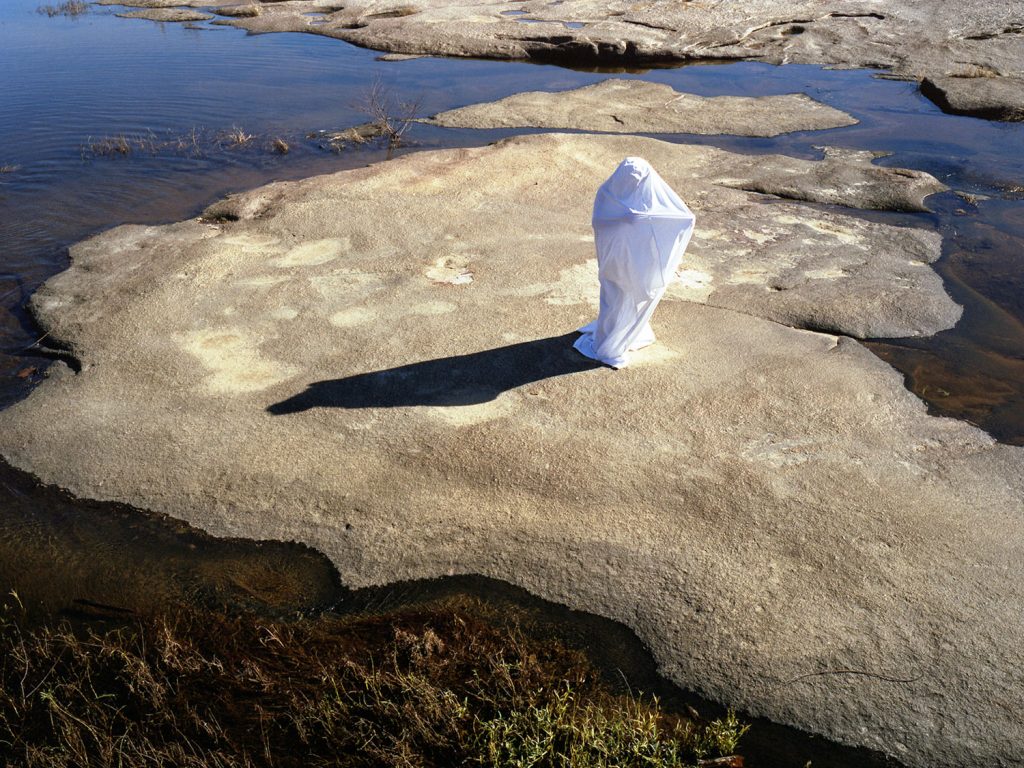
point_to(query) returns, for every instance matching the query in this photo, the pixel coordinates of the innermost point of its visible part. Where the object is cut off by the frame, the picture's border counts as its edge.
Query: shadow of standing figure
(449, 381)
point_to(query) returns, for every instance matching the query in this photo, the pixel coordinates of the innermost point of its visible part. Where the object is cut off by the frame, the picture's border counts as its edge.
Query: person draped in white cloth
(641, 229)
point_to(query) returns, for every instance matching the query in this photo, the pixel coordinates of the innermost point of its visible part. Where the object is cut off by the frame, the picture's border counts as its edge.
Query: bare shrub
(392, 118)
(109, 146)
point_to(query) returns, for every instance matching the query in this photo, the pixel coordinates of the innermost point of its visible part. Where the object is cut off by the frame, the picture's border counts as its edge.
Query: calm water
(68, 84)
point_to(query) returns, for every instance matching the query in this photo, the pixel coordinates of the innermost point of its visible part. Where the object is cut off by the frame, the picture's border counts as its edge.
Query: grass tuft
(196, 142)
(67, 8)
(236, 137)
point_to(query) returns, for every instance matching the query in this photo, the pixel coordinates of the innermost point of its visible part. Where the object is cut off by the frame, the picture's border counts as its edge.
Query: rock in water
(378, 363)
(635, 106)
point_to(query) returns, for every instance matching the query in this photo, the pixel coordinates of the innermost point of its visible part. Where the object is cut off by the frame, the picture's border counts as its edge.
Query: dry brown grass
(67, 8)
(236, 137)
(446, 686)
(196, 142)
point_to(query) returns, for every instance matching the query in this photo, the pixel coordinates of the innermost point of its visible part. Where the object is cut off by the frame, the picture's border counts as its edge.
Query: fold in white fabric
(641, 229)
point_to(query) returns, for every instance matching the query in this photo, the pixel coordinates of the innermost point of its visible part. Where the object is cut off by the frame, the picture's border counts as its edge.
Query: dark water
(173, 93)
(97, 561)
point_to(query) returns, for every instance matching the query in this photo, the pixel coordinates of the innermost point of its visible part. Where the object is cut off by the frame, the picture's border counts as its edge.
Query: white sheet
(641, 229)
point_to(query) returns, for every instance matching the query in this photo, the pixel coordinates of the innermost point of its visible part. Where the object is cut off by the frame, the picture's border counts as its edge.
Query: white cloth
(641, 229)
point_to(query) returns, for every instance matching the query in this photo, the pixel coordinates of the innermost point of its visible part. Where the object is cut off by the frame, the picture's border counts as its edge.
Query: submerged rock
(148, 3)
(378, 363)
(636, 106)
(166, 14)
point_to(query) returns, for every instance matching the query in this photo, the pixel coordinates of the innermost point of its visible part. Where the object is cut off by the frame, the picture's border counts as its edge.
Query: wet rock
(916, 39)
(166, 14)
(147, 3)
(993, 98)
(247, 10)
(400, 57)
(635, 106)
(768, 508)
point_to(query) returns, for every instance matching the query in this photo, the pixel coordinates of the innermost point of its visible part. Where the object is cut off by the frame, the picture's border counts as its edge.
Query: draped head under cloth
(641, 229)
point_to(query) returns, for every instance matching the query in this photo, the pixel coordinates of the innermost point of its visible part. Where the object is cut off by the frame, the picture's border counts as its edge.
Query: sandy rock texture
(164, 3)
(378, 363)
(144, 3)
(636, 106)
(972, 51)
(166, 14)
(845, 177)
(981, 95)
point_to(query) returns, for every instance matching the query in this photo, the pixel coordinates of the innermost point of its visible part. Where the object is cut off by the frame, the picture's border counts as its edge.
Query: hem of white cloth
(585, 346)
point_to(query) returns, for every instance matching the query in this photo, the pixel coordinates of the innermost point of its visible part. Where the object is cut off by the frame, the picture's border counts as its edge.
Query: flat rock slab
(982, 95)
(163, 3)
(636, 106)
(843, 177)
(378, 363)
(166, 14)
(916, 39)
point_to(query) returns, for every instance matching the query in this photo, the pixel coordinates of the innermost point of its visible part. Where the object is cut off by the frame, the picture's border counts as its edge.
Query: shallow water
(68, 84)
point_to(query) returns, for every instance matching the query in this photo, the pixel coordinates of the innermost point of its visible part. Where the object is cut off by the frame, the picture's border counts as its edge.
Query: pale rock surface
(843, 177)
(636, 106)
(163, 3)
(378, 363)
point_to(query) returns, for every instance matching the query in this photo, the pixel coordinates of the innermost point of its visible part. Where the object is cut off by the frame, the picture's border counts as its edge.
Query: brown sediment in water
(979, 389)
(76, 557)
(975, 372)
